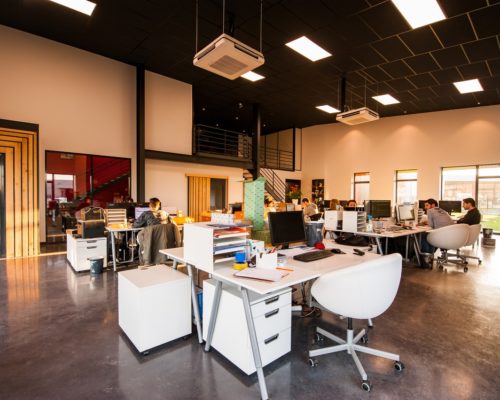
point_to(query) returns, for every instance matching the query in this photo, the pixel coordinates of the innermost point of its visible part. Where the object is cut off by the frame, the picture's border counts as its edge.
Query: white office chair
(449, 237)
(474, 231)
(362, 292)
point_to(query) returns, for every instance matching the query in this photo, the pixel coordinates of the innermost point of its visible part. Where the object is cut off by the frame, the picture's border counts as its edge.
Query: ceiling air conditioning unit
(357, 116)
(228, 57)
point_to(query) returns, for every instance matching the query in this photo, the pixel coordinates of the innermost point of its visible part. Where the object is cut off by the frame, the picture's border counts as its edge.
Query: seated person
(334, 204)
(436, 218)
(309, 208)
(352, 204)
(473, 215)
(268, 207)
(153, 216)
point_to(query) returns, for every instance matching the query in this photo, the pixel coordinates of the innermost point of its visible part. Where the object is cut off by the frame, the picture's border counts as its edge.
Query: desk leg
(113, 250)
(255, 345)
(174, 265)
(416, 247)
(379, 246)
(213, 314)
(386, 245)
(406, 248)
(194, 301)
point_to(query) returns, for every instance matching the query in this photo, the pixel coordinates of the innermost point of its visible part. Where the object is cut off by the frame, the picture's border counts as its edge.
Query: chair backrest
(155, 238)
(474, 231)
(363, 291)
(449, 237)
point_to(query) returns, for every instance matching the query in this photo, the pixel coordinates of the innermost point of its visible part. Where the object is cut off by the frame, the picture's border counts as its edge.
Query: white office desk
(112, 231)
(302, 272)
(177, 255)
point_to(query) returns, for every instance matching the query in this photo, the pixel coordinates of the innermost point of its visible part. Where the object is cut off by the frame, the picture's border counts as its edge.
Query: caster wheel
(207, 351)
(312, 362)
(364, 338)
(466, 262)
(480, 262)
(399, 366)
(466, 269)
(440, 267)
(318, 337)
(366, 386)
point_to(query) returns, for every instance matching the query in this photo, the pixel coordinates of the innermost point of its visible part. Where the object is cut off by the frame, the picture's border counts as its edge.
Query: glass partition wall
(74, 181)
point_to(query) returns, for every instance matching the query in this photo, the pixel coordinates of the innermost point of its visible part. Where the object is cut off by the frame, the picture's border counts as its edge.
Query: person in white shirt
(309, 208)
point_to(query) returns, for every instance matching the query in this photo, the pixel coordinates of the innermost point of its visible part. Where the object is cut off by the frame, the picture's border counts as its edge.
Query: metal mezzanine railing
(222, 143)
(276, 158)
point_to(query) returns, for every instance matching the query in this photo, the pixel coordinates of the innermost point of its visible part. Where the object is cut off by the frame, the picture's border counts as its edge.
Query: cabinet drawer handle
(92, 247)
(272, 299)
(271, 339)
(271, 313)
(91, 241)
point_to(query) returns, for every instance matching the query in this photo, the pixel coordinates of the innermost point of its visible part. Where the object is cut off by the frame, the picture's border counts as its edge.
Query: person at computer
(269, 206)
(436, 218)
(309, 208)
(153, 216)
(473, 215)
(352, 204)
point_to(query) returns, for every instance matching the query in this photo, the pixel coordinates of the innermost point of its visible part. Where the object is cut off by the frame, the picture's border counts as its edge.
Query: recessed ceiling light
(328, 109)
(83, 6)
(420, 13)
(308, 49)
(386, 99)
(470, 86)
(252, 76)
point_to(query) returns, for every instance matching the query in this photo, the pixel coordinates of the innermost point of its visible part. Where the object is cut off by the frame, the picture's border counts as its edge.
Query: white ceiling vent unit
(357, 116)
(228, 57)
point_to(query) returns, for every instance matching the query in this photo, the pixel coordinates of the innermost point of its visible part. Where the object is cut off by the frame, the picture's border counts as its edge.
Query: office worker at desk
(436, 218)
(473, 215)
(153, 216)
(309, 208)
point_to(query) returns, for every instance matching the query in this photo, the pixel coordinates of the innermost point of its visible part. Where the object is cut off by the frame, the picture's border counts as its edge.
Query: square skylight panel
(470, 86)
(386, 99)
(328, 109)
(83, 6)
(252, 76)
(308, 48)
(420, 12)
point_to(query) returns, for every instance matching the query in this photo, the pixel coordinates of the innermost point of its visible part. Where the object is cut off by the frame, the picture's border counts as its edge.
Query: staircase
(274, 184)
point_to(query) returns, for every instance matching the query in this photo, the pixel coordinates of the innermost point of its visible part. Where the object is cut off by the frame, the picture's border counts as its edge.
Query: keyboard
(313, 255)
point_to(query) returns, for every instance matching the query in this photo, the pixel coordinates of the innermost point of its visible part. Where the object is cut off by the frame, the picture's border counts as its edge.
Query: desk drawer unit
(272, 319)
(79, 250)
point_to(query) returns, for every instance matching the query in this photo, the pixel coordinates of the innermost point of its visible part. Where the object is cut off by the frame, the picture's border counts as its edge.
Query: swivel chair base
(444, 259)
(350, 345)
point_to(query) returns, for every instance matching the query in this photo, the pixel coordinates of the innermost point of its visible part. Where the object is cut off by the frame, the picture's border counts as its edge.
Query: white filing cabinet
(154, 305)
(78, 251)
(272, 317)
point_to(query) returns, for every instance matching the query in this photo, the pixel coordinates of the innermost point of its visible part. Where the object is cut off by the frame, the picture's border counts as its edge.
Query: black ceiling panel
(450, 56)
(454, 31)
(373, 47)
(392, 49)
(422, 63)
(483, 49)
(421, 40)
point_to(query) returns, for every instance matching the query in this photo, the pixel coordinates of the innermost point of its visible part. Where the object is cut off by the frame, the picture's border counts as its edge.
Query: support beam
(256, 141)
(140, 134)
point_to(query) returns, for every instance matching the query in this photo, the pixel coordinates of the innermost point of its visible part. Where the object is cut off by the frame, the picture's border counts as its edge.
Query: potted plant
(294, 195)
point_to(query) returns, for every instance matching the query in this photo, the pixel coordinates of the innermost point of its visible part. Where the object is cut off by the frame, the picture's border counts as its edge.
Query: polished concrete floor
(59, 339)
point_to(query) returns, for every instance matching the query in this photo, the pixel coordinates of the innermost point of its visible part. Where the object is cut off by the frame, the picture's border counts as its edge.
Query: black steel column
(294, 148)
(256, 141)
(343, 94)
(140, 134)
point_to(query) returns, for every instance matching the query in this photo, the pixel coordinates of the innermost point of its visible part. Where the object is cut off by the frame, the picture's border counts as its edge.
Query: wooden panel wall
(21, 190)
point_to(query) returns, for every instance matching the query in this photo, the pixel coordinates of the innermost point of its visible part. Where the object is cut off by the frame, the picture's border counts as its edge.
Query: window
(218, 194)
(361, 187)
(406, 186)
(482, 183)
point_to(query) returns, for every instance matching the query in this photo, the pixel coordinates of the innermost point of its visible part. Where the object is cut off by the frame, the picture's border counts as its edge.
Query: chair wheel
(312, 362)
(364, 338)
(479, 262)
(399, 366)
(318, 338)
(366, 386)
(466, 269)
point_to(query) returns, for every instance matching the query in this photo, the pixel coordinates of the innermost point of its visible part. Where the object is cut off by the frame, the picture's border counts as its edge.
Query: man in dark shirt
(473, 215)
(151, 217)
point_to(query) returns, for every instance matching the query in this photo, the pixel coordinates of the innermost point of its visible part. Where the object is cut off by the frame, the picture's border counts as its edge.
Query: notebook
(271, 275)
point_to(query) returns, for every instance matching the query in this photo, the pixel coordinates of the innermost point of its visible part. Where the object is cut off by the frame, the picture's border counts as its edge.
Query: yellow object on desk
(240, 266)
(182, 220)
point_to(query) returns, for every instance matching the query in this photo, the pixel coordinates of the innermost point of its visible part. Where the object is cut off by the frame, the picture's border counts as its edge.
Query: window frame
(397, 180)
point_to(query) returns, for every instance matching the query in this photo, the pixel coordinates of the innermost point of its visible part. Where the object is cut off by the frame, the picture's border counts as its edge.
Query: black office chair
(154, 238)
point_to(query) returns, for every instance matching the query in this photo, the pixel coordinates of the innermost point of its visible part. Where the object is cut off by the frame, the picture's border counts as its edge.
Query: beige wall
(167, 180)
(168, 118)
(426, 142)
(83, 102)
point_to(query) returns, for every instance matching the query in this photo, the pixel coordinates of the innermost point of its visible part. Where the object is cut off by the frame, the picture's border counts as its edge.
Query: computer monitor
(421, 204)
(286, 227)
(378, 208)
(139, 211)
(344, 203)
(236, 207)
(405, 212)
(451, 206)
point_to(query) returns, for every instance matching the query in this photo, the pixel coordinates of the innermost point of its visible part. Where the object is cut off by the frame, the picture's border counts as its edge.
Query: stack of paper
(262, 274)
